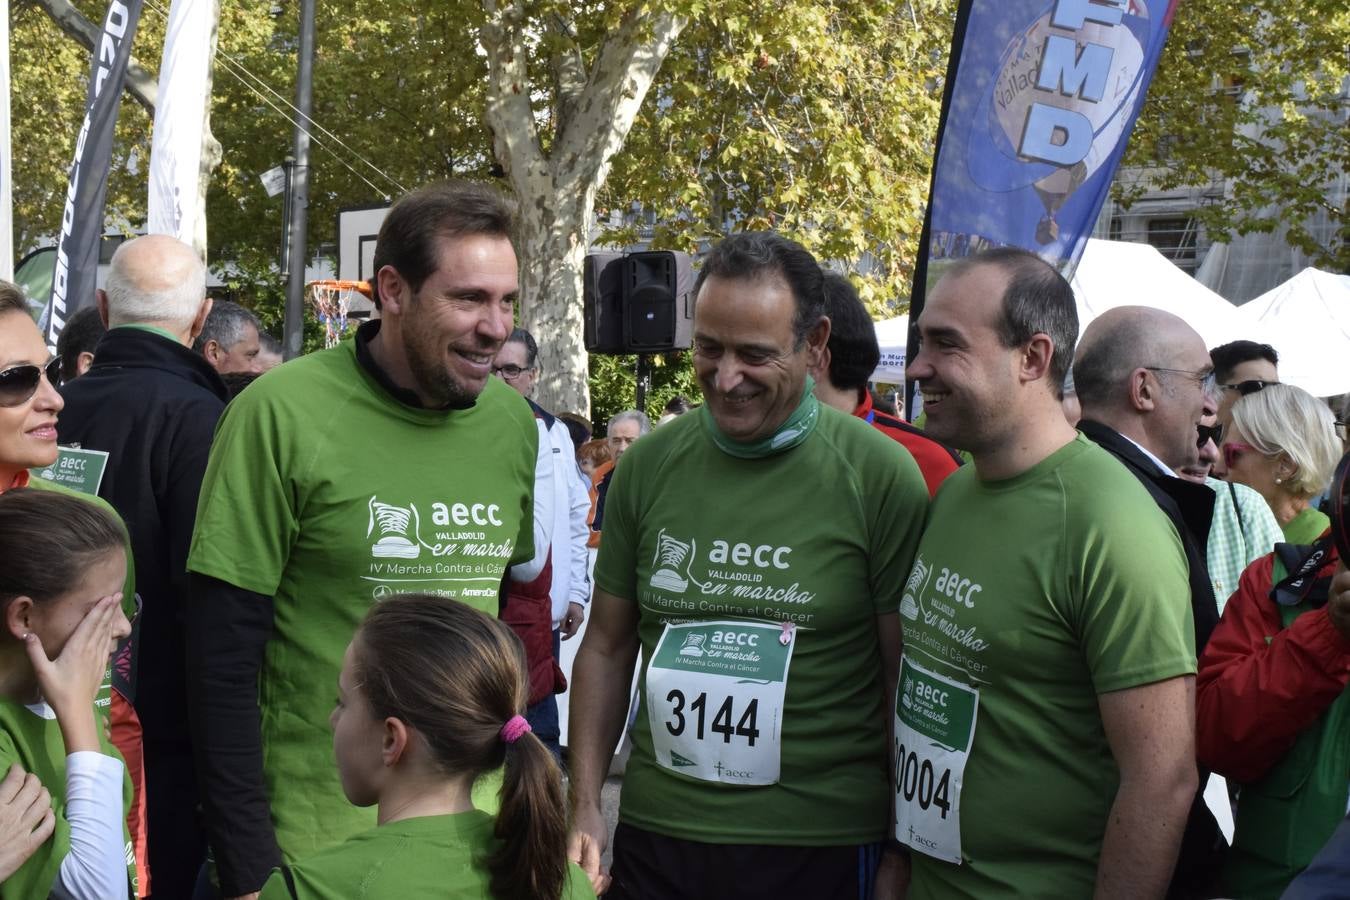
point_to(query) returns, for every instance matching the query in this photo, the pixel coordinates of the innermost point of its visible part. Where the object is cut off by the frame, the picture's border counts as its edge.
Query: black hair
(524, 338)
(1227, 357)
(1037, 300)
(82, 333)
(751, 255)
(854, 352)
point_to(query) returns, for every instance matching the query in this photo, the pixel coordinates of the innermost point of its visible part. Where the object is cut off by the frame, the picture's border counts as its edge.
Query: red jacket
(528, 610)
(1260, 684)
(936, 460)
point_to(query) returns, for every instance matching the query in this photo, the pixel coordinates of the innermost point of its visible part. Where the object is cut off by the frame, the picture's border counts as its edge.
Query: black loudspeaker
(658, 302)
(602, 291)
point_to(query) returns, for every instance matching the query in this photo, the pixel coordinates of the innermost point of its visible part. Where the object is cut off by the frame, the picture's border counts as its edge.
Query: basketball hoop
(331, 299)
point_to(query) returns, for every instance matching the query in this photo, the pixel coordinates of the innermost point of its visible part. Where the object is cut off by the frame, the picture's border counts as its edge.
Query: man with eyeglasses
(1145, 382)
(548, 610)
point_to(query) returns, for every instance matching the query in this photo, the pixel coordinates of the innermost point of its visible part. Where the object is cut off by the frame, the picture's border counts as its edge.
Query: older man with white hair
(151, 404)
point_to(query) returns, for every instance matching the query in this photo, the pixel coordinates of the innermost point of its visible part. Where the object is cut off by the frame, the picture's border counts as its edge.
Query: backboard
(357, 228)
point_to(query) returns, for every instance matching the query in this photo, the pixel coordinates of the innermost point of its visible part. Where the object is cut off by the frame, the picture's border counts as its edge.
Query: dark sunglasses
(1248, 387)
(19, 384)
(1207, 433)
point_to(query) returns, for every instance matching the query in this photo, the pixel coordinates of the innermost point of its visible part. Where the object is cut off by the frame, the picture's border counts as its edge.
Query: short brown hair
(596, 452)
(11, 298)
(407, 239)
(48, 540)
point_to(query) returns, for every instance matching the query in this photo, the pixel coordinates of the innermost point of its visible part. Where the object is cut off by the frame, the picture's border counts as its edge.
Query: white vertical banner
(176, 147)
(6, 159)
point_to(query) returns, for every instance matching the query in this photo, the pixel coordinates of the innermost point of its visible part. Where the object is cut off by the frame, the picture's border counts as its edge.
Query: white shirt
(96, 866)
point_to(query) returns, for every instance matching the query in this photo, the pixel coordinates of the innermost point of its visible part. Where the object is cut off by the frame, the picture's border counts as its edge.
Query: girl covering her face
(60, 591)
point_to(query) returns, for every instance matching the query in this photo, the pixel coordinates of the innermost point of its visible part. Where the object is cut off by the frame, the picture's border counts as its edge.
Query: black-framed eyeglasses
(1207, 433)
(1251, 386)
(1204, 378)
(511, 373)
(19, 383)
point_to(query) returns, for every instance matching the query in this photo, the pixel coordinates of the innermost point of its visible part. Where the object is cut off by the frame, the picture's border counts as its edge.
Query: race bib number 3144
(715, 695)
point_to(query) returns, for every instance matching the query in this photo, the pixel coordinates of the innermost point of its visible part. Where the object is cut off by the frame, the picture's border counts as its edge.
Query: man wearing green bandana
(755, 554)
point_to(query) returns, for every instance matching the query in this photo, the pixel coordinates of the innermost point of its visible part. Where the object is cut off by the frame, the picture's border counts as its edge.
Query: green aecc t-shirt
(424, 858)
(35, 743)
(325, 493)
(819, 537)
(1039, 592)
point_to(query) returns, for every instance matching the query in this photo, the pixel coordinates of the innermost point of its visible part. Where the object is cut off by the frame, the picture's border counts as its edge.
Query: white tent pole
(6, 194)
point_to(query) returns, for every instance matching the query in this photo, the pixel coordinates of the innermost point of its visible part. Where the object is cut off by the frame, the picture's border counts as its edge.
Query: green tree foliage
(814, 119)
(1252, 95)
(614, 384)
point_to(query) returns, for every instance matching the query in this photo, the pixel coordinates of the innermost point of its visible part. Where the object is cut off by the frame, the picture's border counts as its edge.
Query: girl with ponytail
(430, 698)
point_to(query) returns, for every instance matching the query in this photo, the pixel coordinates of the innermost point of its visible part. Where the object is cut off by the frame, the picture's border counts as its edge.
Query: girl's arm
(96, 866)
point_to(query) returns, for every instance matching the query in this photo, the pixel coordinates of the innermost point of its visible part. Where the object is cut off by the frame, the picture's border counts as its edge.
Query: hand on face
(71, 681)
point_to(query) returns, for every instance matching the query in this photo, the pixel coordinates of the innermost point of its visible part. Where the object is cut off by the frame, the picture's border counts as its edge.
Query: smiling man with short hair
(387, 464)
(753, 556)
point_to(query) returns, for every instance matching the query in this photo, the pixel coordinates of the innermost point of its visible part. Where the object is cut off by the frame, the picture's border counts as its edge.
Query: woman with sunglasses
(29, 406)
(1282, 442)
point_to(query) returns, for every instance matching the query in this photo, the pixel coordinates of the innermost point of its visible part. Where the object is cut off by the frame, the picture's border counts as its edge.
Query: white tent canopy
(1307, 321)
(1118, 273)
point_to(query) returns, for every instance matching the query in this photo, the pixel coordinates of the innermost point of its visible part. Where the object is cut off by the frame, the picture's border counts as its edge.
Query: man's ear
(819, 368)
(396, 740)
(83, 362)
(101, 300)
(394, 292)
(200, 322)
(18, 617)
(1036, 358)
(1144, 390)
(211, 351)
(817, 342)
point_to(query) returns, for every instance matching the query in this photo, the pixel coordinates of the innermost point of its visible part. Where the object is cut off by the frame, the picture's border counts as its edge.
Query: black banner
(82, 218)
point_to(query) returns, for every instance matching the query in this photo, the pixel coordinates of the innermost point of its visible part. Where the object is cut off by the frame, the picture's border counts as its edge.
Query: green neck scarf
(793, 431)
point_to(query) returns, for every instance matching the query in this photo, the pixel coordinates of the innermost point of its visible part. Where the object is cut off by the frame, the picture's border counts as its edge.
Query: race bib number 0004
(934, 727)
(715, 695)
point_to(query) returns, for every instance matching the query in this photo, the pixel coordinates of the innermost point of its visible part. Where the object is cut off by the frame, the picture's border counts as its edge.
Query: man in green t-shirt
(754, 553)
(390, 463)
(1044, 724)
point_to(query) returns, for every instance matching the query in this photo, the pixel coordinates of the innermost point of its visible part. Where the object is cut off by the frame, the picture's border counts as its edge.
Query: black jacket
(152, 404)
(1190, 506)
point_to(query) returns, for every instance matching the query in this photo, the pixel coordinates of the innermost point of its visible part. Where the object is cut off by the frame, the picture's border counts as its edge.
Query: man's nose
(729, 375)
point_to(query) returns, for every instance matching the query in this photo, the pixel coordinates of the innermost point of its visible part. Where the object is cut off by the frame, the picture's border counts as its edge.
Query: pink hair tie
(514, 728)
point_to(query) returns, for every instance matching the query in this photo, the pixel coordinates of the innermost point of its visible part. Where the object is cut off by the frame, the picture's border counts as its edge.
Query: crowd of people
(1001, 655)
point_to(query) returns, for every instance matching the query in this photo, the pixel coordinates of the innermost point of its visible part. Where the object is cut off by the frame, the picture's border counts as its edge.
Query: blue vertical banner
(82, 216)
(1040, 101)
